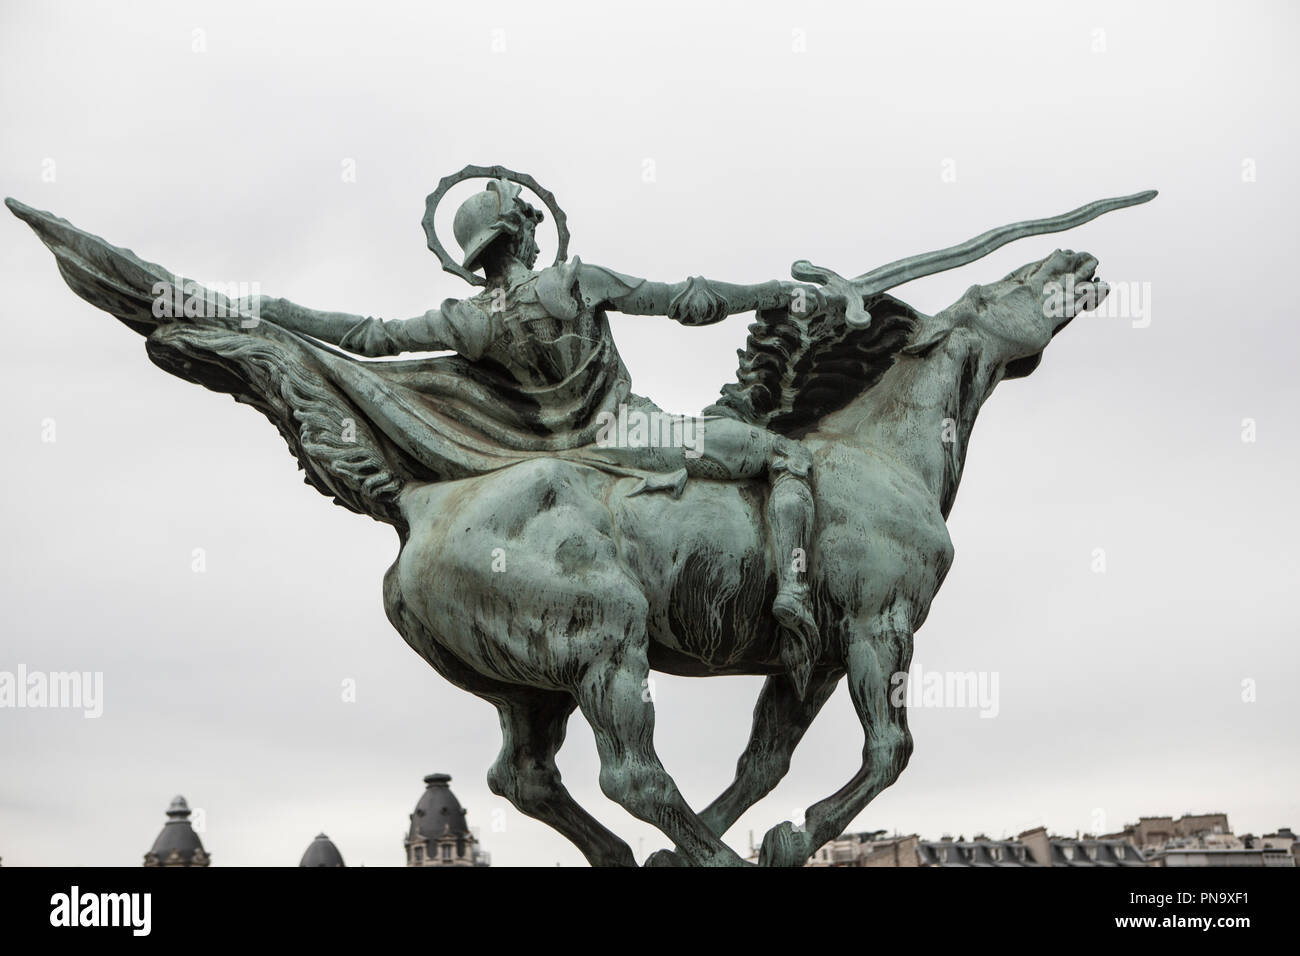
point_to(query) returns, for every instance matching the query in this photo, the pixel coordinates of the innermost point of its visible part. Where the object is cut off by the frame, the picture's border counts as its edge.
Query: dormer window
(995, 852)
(1091, 851)
(419, 854)
(1067, 852)
(1119, 852)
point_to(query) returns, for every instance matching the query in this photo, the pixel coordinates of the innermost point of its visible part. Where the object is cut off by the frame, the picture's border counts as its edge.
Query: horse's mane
(793, 371)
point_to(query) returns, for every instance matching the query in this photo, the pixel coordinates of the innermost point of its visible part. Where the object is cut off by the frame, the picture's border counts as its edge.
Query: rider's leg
(726, 449)
(733, 450)
(789, 519)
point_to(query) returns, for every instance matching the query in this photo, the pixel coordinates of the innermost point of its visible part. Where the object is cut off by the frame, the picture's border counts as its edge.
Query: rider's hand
(835, 302)
(805, 300)
(809, 301)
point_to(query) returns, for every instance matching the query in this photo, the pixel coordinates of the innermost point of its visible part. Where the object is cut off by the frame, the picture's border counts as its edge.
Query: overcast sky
(682, 139)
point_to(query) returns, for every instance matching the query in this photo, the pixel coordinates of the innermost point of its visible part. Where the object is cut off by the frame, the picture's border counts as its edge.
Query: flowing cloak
(363, 429)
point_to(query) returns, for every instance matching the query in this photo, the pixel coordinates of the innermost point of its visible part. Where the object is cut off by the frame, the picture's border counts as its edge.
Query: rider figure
(549, 327)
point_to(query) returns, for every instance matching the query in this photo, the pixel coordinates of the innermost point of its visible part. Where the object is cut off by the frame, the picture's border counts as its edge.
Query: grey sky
(1120, 692)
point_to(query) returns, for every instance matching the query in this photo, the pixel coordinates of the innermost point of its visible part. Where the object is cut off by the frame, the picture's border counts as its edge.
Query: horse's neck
(919, 414)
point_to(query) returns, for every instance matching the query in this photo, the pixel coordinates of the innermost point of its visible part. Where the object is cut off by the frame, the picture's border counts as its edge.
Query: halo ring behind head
(449, 264)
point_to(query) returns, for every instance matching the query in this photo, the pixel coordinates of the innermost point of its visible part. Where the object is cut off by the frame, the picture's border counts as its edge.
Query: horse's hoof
(783, 845)
(664, 858)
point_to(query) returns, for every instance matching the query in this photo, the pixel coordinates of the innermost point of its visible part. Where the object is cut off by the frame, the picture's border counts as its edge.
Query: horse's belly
(704, 568)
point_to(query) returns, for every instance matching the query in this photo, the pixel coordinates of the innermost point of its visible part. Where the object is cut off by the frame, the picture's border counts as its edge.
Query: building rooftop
(438, 812)
(177, 844)
(322, 852)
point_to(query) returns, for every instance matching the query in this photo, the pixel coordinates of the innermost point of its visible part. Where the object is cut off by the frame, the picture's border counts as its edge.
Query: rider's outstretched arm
(456, 326)
(701, 301)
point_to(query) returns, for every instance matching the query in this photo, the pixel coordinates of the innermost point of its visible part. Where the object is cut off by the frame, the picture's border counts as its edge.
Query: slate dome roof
(177, 834)
(322, 852)
(437, 811)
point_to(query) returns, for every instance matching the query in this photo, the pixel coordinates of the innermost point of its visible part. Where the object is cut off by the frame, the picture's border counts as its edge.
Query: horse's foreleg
(612, 695)
(872, 657)
(532, 730)
(780, 719)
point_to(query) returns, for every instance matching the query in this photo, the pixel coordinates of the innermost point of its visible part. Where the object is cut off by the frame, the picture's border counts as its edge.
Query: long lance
(928, 263)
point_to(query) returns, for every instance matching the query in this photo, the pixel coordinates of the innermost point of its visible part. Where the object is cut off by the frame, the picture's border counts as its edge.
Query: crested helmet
(486, 215)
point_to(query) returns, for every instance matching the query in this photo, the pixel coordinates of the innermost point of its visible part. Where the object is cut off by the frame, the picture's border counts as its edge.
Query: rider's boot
(789, 520)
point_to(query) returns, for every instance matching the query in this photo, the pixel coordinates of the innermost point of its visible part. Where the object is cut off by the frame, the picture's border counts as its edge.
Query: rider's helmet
(481, 218)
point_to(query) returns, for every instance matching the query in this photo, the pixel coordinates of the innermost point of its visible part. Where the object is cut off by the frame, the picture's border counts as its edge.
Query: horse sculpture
(551, 581)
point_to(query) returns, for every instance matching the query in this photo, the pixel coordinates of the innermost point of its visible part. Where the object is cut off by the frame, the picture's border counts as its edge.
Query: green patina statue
(561, 536)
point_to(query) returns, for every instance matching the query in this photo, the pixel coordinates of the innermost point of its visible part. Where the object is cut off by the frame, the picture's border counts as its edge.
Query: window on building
(1091, 851)
(995, 852)
(1068, 852)
(1119, 852)
(419, 854)
(446, 852)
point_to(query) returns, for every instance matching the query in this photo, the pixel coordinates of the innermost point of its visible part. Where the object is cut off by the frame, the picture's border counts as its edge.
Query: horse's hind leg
(532, 730)
(611, 695)
(781, 717)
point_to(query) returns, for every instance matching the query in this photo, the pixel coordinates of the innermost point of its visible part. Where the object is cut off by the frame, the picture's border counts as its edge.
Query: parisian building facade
(1191, 840)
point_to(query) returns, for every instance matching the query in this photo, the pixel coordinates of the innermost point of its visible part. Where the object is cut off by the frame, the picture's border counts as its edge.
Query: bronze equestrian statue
(551, 554)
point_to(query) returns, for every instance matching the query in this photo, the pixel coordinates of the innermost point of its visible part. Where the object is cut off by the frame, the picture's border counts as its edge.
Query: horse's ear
(932, 333)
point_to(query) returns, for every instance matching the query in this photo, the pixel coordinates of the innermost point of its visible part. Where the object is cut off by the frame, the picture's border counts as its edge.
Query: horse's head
(994, 332)
(1016, 317)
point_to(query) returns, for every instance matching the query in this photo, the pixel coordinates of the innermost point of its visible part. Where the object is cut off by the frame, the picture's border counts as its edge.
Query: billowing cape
(359, 429)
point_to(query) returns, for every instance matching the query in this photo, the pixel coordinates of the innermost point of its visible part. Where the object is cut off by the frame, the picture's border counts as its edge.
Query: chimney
(1039, 847)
